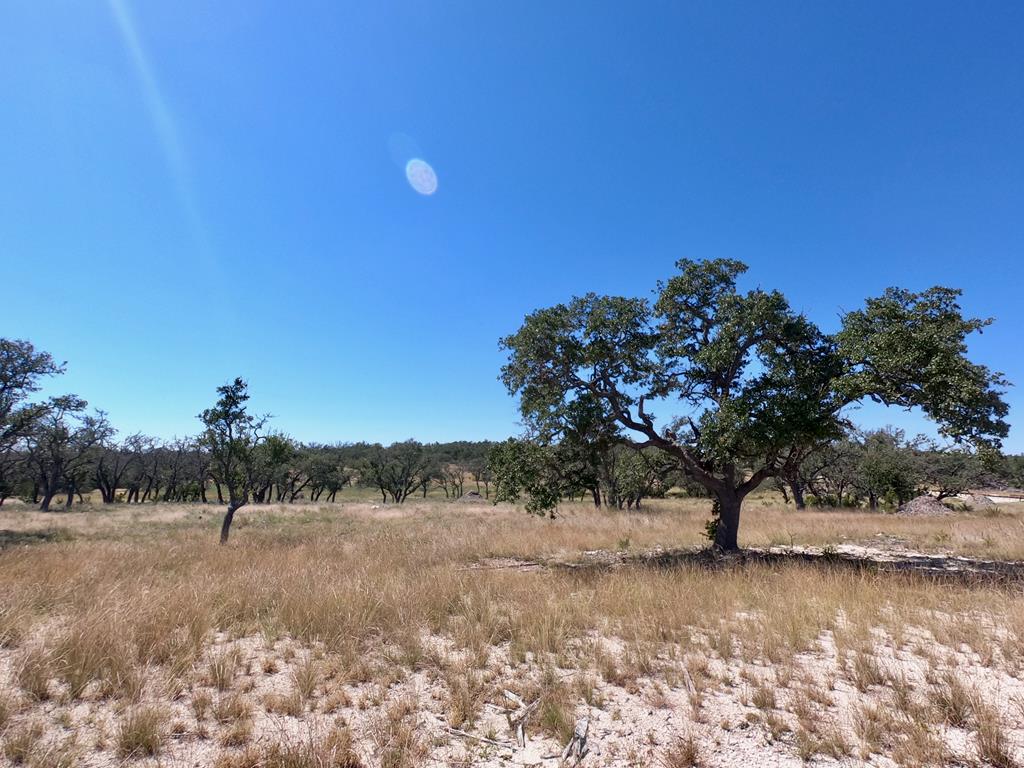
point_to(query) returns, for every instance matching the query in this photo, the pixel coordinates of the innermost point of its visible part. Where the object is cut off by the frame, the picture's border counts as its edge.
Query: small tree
(232, 436)
(325, 467)
(481, 473)
(948, 471)
(1010, 470)
(397, 470)
(757, 385)
(523, 466)
(831, 472)
(276, 468)
(63, 445)
(116, 462)
(886, 470)
(21, 367)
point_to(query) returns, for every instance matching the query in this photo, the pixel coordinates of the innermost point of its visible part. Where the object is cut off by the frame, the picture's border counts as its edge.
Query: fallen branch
(500, 566)
(517, 718)
(577, 747)
(492, 742)
(690, 687)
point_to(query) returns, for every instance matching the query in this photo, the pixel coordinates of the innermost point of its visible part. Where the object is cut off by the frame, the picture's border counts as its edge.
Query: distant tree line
(60, 449)
(885, 468)
(869, 469)
(57, 448)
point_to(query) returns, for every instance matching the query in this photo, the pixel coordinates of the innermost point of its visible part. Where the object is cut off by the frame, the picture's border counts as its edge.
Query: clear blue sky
(191, 191)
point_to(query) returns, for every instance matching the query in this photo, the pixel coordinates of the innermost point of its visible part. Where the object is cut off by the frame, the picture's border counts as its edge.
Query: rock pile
(924, 506)
(978, 503)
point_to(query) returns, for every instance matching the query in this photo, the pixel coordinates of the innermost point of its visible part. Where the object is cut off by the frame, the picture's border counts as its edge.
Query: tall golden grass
(128, 611)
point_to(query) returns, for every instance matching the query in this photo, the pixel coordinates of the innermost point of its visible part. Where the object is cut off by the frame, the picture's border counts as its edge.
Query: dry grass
(465, 696)
(21, 741)
(334, 750)
(379, 616)
(232, 708)
(142, 732)
(8, 706)
(953, 699)
(993, 741)
(684, 752)
(305, 679)
(397, 735)
(33, 668)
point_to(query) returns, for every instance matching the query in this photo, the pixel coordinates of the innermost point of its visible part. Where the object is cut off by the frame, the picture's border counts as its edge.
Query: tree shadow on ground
(10, 538)
(943, 568)
(939, 567)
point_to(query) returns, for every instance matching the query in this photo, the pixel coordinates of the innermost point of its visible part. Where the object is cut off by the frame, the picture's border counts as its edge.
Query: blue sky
(192, 191)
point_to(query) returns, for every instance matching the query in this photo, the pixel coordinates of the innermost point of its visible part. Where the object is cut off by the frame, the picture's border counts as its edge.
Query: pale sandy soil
(629, 726)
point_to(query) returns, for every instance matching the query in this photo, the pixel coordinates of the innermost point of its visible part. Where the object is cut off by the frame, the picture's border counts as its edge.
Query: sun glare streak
(163, 122)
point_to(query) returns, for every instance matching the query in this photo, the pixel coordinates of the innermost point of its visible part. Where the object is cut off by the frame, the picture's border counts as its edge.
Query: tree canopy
(232, 435)
(753, 385)
(21, 367)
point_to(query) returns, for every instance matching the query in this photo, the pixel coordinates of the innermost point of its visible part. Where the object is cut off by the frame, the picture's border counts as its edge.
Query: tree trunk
(798, 494)
(727, 531)
(106, 490)
(225, 527)
(47, 498)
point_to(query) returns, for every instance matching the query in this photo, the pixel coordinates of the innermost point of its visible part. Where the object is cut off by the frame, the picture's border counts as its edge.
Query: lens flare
(163, 123)
(421, 176)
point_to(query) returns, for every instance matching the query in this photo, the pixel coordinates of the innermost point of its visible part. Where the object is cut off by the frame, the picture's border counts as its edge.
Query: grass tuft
(20, 742)
(396, 735)
(993, 742)
(142, 732)
(684, 752)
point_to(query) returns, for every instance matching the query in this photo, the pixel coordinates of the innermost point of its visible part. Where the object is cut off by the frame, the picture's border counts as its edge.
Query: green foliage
(711, 525)
(61, 445)
(232, 436)
(886, 469)
(397, 470)
(523, 467)
(909, 349)
(757, 385)
(949, 471)
(21, 367)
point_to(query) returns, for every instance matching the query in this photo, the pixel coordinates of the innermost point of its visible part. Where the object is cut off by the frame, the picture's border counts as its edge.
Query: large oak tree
(751, 384)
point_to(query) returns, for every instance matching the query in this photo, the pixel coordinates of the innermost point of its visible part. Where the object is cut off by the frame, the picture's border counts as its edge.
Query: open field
(358, 634)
